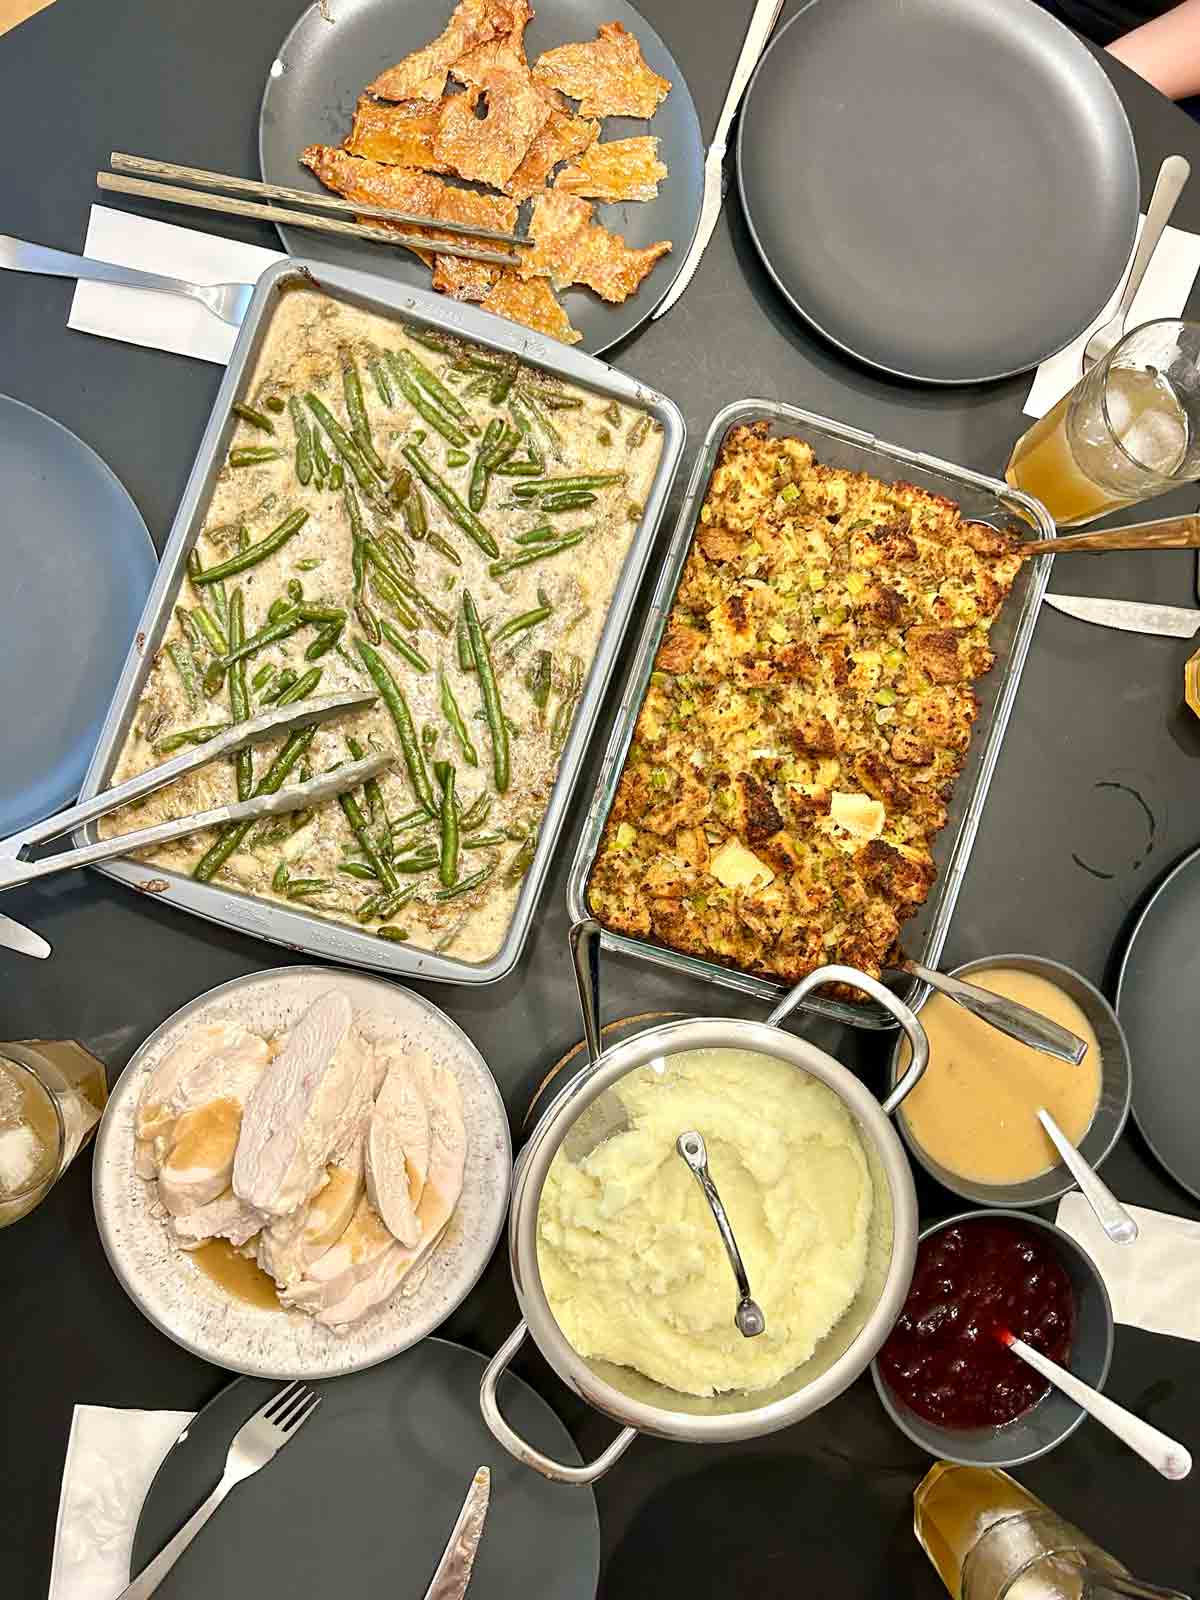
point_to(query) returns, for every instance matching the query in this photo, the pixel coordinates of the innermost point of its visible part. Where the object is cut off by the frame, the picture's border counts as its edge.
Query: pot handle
(524, 1452)
(907, 1018)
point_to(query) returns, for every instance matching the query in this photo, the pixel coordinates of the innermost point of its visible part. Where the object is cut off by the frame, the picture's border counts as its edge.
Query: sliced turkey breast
(341, 1301)
(226, 1217)
(200, 1163)
(291, 1244)
(397, 1148)
(336, 1272)
(213, 1060)
(307, 1109)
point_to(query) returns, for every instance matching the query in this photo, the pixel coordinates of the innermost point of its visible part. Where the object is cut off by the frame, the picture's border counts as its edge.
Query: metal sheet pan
(983, 500)
(303, 930)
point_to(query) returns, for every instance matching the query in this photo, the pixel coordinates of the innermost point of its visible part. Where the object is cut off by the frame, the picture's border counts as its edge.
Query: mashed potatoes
(629, 1254)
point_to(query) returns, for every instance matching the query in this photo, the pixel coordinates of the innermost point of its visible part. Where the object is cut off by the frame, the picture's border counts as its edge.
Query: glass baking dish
(981, 499)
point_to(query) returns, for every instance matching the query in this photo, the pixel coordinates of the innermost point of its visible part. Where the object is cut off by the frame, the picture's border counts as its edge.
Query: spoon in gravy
(1110, 1213)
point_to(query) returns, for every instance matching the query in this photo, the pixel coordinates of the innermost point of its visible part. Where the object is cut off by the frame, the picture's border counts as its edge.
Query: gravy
(237, 1274)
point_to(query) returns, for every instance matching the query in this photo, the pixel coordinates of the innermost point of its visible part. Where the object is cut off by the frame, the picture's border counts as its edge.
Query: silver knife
(762, 22)
(453, 1572)
(1131, 616)
(16, 936)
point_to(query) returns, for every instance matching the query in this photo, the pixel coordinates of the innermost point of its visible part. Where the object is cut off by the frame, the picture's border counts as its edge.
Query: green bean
(279, 879)
(466, 658)
(461, 515)
(388, 905)
(184, 663)
(509, 439)
(409, 820)
(283, 628)
(453, 715)
(239, 697)
(220, 605)
(191, 633)
(571, 500)
(416, 519)
(191, 736)
(207, 624)
(520, 624)
(408, 591)
(263, 676)
(386, 590)
(637, 433)
(358, 869)
(214, 679)
(502, 387)
(401, 484)
(382, 383)
(538, 535)
(429, 739)
(397, 547)
(376, 805)
(578, 480)
(539, 679)
(423, 405)
(393, 699)
(381, 867)
(281, 606)
(465, 885)
(356, 410)
(448, 862)
(518, 469)
(392, 935)
(477, 493)
(337, 477)
(565, 714)
(538, 552)
(324, 642)
(434, 386)
(255, 418)
(274, 403)
(411, 865)
(324, 615)
(521, 862)
(457, 458)
(284, 681)
(443, 343)
(483, 841)
(477, 812)
(302, 688)
(444, 548)
(497, 726)
(612, 413)
(301, 888)
(402, 648)
(233, 834)
(310, 564)
(253, 455)
(321, 462)
(343, 444)
(254, 553)
(543, 421)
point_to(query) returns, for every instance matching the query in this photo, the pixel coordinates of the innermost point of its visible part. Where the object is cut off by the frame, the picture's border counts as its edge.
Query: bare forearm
(1166, 52)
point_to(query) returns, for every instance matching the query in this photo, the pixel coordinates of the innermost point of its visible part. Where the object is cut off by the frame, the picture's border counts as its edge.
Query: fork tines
(287, 1409)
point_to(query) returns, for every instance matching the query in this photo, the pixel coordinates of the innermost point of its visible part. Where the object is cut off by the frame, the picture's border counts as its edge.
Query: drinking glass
(1128, 430)
(51, 1095)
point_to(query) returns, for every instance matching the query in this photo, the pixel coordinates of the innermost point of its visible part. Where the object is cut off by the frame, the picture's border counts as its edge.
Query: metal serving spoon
(1172, 176)
(748, 1318)
(1110, 1213)
(1008, 1016)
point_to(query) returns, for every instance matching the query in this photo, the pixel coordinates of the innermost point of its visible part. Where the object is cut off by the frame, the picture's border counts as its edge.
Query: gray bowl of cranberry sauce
(946, 1380)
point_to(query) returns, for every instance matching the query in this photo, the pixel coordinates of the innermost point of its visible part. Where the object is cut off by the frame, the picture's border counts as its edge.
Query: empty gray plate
(949, 192)
(361, 1502)
(80, 565)
(339, 46)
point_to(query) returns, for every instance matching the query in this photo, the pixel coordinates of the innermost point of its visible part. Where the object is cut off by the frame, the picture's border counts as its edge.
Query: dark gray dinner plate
(362, 1500)
(79, 565)
(947, 191)
(1158, 1004)
(339, 46)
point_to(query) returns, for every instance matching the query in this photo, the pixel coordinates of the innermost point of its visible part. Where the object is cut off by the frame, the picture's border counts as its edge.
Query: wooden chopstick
(300, 219)
(279, 191)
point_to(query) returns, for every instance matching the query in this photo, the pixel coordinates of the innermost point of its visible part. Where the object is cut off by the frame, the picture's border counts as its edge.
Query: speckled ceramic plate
(188, 1306)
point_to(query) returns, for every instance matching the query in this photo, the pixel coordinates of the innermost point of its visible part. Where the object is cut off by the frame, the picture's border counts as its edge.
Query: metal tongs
(14, 870)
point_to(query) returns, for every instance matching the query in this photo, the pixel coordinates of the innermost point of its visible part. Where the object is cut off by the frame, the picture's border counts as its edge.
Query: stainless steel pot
(636, 1402)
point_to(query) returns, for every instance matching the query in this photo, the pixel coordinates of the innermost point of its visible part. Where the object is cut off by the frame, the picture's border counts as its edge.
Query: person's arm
(1166, 52)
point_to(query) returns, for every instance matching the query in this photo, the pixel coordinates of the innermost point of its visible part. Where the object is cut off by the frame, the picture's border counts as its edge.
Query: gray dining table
(1095, 796)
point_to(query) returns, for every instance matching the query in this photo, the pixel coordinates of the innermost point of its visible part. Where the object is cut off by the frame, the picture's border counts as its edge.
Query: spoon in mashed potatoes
(748, 1318)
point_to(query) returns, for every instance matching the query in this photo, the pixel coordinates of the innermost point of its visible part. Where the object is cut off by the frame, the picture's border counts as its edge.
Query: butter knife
(1131, 616)
(762, 22)
(453, 1572)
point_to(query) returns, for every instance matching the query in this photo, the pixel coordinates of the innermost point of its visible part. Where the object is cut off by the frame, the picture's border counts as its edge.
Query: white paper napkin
(162, 321)
(1164, 292)
(1154, 1283)
(111, 1457)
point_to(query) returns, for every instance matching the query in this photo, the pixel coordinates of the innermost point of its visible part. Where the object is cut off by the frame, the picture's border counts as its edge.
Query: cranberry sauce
(943, 1359)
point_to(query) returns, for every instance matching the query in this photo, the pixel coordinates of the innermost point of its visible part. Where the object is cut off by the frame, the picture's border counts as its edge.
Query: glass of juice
(51, 1095)
(1128, 430)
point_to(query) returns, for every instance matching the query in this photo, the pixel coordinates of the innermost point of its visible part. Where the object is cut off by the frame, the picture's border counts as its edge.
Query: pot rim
(672, 1038)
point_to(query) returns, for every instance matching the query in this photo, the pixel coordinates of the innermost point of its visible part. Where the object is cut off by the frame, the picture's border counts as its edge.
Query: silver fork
(225, 300)
(255, 1442)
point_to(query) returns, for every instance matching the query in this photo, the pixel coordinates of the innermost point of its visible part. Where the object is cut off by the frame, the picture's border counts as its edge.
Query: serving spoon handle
(1110, 1213)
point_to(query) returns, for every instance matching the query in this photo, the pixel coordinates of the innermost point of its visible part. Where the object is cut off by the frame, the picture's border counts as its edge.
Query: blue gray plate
(79, 565)
(338, 47)
(362, 1500)
(947, 191)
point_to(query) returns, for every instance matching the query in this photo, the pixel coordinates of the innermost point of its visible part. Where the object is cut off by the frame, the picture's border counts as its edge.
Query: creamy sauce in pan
(302, 351)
